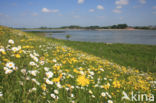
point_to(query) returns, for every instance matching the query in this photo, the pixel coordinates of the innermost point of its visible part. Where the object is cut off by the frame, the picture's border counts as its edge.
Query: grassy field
(141, 57)
(35, 69)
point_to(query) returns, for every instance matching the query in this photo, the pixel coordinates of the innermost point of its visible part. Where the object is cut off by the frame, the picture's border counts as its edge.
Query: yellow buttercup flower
(3, 52)
(6, 60)
(20, 51)
(17, 56)
(82, 80)
(56, 80)
(116, 84)
(106, 86)
(76, 71)
(43, 86)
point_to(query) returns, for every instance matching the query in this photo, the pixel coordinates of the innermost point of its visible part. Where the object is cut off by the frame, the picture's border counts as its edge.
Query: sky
(56, 13)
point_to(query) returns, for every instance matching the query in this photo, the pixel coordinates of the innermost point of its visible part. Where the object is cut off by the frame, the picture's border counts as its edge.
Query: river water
(108, 36)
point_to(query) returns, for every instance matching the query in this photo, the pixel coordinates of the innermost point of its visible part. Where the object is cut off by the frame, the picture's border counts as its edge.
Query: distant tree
(43, 27)
(119, 26)
(93, 27)
(122, 26)
(68, 36)
(143, 27)
(114, 27)
(71, 27)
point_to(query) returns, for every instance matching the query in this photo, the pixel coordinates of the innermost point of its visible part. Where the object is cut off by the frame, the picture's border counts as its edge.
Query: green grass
(78, 77)
(141, 57)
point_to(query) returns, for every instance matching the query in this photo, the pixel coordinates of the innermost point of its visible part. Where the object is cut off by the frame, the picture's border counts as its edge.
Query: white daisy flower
(105, 78)
(91, 73)
(56, 91)
(8, 71)
(23, 71)
(53, 95)
(49, 82)
(2, 50)
(32, 63)
(42, 62)
(1, 94)
(93, 96)
(15, 49)
(19, 47)
(33, 72)
(35, 59)
(103, 94)
(49, 74)
(67, 89)
(10, 65)
(27, 78)
(46, 69)
(90, 92)
(35, 54)
(110, 101)
(34, 80)
(59, 85)
(72, 87)
(72, 95)
(34, 89)
(5, 68)
(108, 95)
(54, 60)
(15, 68)
(11, 41)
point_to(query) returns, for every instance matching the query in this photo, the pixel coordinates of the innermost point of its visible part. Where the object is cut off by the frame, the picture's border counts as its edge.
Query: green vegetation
(142, 57)
(35, 69)
(45, 31)
(68, 36)
(118, 26)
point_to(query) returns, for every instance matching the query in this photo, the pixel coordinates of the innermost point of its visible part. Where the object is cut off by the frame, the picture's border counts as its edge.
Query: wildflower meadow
(36, 69)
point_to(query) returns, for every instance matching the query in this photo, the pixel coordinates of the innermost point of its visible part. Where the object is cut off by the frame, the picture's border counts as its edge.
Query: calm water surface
(109, 36)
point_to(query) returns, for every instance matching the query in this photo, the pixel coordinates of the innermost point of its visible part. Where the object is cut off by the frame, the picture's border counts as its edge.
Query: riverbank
(138, 56)
(142, 57)
(35, 69)
(35, 29)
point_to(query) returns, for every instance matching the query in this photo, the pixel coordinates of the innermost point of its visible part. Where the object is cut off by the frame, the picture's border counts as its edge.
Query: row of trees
(119, 26)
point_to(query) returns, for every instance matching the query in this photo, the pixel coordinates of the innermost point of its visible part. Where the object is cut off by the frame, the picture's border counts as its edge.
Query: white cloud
(91, 10)
(80, 1)
(45, 10)
(142, 1)
(121, 2)
(100, 7)
(119, 5)
(117, 11)
(154, 7)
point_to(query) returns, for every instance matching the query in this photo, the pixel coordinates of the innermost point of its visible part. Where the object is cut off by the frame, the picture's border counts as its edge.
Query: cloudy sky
(55, 13)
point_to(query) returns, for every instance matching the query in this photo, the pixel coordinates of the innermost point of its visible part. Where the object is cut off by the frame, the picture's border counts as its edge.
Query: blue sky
(55, 13)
